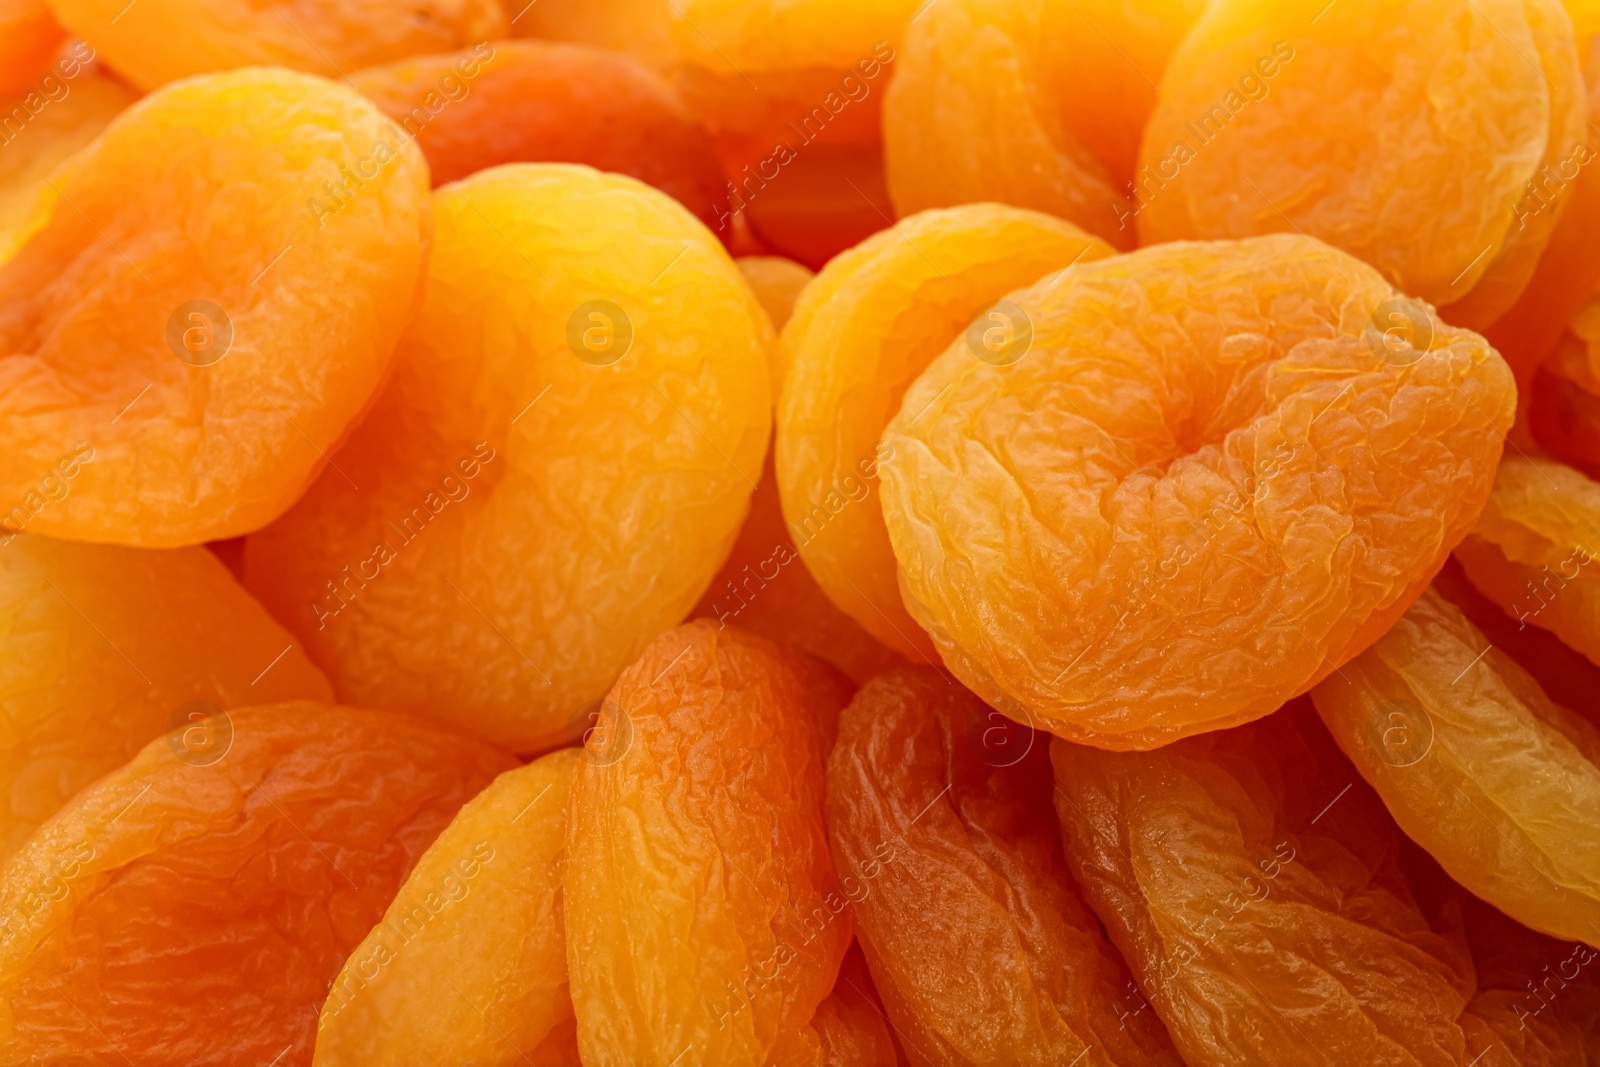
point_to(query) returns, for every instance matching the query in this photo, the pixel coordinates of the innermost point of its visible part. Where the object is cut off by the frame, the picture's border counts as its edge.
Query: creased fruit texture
(939, 815)
(850, 1026)
(1200, 490)
(1412, 157)
(704, 920)
(241, 885)
(873, 320)
(103, 647)
(1260, 905)
(1478, 765)
(201, 304)
(326, 37)
(469, 964)
(556, 469)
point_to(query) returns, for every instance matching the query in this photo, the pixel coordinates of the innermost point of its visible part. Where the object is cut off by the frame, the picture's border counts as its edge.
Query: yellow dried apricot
(777, 283)
(469, 964)
(1041, 105)
(241, 883)
(29, 37)
(105, 648)
(704, 920)
(209, 295)
(557, 467)
(1218, 473)
(939, 816)
(861, 333)
(326, 37)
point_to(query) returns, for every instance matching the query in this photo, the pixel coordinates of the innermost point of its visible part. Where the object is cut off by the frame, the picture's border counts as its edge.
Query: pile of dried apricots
(800, 532)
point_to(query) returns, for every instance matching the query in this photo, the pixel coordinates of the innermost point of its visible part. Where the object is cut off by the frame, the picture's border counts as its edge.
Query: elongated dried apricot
(1256, 894)
(704, 920)
(849, 1029)
(556, 469)
(541, 102)
(939, 816)
(1563, 412)
(1035, 104)
(326, 37)
(106, 648)
(1289, 115)
(1213, 477)
(29, 37)
(468, 965)
(240, 883)
(209, 295)
(862, 332)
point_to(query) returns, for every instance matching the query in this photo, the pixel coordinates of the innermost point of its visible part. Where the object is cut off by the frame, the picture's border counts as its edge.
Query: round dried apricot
(862, 332)
(1256, 895)
(241, 884)
(105, 648)
(1406, 135)
(326, 37)
(940, 821)
(29, 38)
(704, 920)
(1477, 764)
(777, 283)
(1218, 473)
(469, 964)
(542, 102)
(209, 295)
(641, 28)
(557, 467)
(1035, 104)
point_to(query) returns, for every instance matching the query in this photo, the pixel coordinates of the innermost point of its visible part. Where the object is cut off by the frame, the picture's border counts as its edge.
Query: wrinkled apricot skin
(872, 320)
(1040, 105)
(1200, 491)
(29, 38)
(850, 1026)
(556, 469)
(939, 819)
(469, 963)
(704, 920)
(540, 102)
(198, 304)
(1477, 765)
(1414, 158)
(1260, 905)
(241, 883)
(101, 647)
(326, 37)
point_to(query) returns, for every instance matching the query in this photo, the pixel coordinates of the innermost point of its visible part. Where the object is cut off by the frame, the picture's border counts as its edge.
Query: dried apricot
(557, 467)
(29, 37)
(777, 283)
(1280, 115)
(1035, 104)
(863, 330)
(704, 920)
(940, 821)
(1256, 893)
(849, 1028)
(641, 28)
(106, 648)
(1476, 763)
(1563, 412)
(542, 102)
(1214, 477)
(240, 882)
(200, 303)
(326, 37)
(469, 964)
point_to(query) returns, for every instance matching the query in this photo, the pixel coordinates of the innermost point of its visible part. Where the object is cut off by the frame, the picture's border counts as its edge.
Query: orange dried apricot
(199, 302)
(1256, 893)
(29, 37)
(1280, 115)
(1218, 473)
(704, 920)
(777, 283)
(240, 882)
(1562, 414)
(861, 333)
(105, 648)
(542, 102)
(469, 964)
(1477, 764)
(849, 1028)
(1035, 104)
(641, 28)
(326, 37)
(557, 467)
(939, 815)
